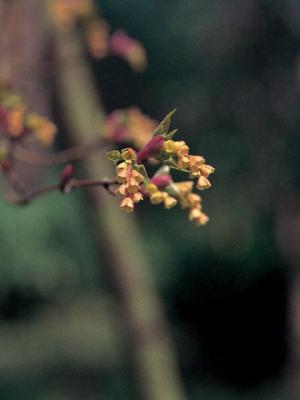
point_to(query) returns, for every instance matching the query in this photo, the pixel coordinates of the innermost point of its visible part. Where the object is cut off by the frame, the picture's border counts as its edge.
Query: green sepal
(142, 170)
(114, 156)
(170, 134)
(163, 128)
(164, 157)
(172, 190)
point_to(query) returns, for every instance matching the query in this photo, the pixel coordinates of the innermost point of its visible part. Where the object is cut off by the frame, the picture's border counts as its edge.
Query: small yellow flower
(42, 128)
(122, 172)
(178, 148)
(151, 188)
(46, 133)
(183, 161)
(181, 148)
(195, 163)
(128, 154)
(127, 205)
(158, 197)
(121, 190)
(168, 146)
(207, 170)
(15, 121)
(184, 187)
(136, 197)
(129, 188)
(203, 183)
(194, 200)
(170, 202)
(198, 217)
(139, 127)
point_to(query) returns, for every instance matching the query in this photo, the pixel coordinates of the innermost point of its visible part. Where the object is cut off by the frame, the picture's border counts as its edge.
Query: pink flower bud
(66, 176)
(120, 43)
(161, 181)
(116, 126)
(150, 149)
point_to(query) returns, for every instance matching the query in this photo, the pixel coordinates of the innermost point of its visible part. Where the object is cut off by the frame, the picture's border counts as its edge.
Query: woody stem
(72, 184)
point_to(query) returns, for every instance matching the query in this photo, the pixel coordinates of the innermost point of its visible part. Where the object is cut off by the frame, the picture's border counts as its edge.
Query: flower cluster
(130, 49)
(130, 180)
(129, 125)
(161, 188)
(178, 153)
(16, 121)
(96, 32)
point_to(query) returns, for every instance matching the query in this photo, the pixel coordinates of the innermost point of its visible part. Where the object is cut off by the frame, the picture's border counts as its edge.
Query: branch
(75, 153)
(66, 189)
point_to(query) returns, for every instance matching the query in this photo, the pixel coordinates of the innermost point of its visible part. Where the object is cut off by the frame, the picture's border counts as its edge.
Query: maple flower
(192, 201)
(15, 121)
(198, 217)
(97, 38)
(130, 49)
(129, 188)
(203, 183)
(129, 125)
(195, 165)
(161, 189)
(42, 128)
(158, 196)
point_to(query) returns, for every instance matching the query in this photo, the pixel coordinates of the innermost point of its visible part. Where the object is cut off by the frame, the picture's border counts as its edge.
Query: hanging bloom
(170, 202)
(42, 128)
(15, 118)
(129, 188)
(116, 126)
(130, 49)
(129, 125)
(140, 127)
(195, 164)
(203, 183)
(161, 189)
(198, 217)
(97, 38)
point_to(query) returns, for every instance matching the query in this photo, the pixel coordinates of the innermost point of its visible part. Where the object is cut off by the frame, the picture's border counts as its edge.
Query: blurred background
(230, 290)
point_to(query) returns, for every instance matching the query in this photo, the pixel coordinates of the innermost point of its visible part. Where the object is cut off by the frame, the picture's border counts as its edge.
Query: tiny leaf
(142, 170)
(163, 127)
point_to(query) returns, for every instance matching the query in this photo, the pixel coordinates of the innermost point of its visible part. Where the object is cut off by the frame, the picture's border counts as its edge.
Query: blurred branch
(149, 343)
(79, 152)
(72, 184)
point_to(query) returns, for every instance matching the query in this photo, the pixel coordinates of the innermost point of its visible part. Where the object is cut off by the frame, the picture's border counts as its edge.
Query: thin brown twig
(72, 184)
(79, 152)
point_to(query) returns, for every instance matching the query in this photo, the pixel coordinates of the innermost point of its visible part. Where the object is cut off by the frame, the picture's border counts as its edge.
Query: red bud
(161, 181)
(151, 148)
(66, 175)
